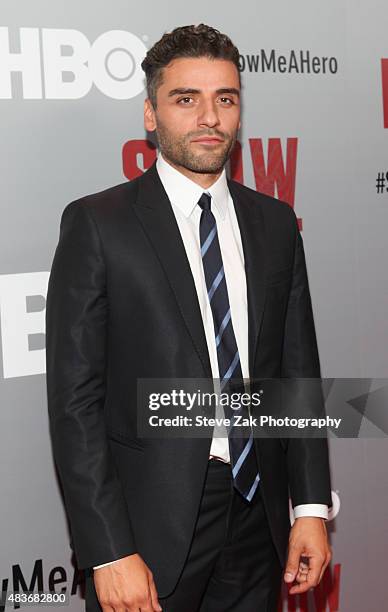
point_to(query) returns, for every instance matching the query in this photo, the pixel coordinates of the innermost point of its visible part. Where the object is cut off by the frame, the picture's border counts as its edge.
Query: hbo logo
(62, 64)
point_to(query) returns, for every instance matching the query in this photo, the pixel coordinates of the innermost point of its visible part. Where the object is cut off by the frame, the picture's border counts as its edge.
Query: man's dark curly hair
(186, 41)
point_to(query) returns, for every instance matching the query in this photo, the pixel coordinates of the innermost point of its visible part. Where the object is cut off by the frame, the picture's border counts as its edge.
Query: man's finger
(146, 605)
(316, 564)
(301, 578)
(303, 569)
(324, 567)
(292, 565)
(156, 607)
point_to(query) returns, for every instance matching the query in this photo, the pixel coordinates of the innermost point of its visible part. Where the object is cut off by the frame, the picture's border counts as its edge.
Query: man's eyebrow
(183, 90)
(229, 90)
(189, 90)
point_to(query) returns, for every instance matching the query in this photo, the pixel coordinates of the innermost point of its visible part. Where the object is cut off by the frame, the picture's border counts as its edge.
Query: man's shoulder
(107, 200)
(274, 210)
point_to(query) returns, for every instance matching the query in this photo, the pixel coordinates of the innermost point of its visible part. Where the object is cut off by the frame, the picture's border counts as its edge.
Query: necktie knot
(205, 201)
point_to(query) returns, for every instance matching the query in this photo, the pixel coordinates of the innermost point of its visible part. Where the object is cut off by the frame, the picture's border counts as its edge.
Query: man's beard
(177, 150)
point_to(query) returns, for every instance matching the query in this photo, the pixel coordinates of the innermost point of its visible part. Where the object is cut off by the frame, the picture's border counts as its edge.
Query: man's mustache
(209, 134)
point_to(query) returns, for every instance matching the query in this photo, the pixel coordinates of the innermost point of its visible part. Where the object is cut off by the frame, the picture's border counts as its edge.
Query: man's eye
(185, 100)
(227, 100)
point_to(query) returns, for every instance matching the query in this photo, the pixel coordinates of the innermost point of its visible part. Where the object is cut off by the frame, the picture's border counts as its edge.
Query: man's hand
(308, 539)
(126, 585)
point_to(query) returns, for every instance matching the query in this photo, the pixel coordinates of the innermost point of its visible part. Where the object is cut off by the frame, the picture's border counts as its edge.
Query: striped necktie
(241, 444)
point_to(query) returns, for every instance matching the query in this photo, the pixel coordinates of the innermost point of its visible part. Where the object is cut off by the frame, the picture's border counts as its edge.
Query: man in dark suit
(183, 274)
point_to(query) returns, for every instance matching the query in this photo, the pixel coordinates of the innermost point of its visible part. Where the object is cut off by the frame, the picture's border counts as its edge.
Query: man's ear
(149, 116)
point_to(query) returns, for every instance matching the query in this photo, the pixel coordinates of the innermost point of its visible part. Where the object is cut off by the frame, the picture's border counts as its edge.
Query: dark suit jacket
(122, 304)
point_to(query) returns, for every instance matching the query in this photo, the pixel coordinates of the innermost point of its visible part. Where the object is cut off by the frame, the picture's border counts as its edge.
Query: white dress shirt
(184, 194)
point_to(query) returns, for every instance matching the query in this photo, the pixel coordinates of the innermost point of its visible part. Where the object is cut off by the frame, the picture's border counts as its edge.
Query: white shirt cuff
(104, 564)
(319, 510)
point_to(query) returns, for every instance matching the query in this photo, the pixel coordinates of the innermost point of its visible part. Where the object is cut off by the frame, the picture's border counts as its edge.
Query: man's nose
(208, 115)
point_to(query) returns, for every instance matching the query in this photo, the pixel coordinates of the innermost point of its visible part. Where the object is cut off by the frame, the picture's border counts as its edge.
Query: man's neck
(203, 180)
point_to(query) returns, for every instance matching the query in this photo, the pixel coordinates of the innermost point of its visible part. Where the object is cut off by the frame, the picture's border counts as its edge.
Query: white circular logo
(114, 62)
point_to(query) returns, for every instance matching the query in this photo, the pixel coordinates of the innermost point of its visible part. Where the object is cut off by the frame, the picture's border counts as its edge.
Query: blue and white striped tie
(241, 444)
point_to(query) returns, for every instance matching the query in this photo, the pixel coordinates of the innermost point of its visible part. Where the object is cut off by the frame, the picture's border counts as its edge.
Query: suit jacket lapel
(251, 223)
(155, 213)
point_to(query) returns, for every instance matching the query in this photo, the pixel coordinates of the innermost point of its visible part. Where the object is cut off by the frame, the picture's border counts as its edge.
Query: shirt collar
(185, 193)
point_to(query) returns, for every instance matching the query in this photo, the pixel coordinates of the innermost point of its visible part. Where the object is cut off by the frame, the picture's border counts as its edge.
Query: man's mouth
(208, 140)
